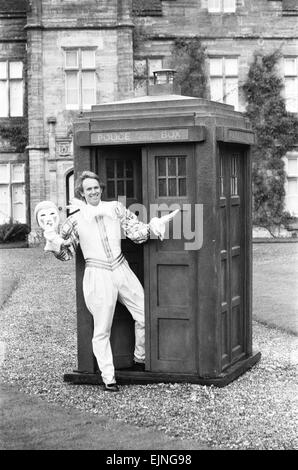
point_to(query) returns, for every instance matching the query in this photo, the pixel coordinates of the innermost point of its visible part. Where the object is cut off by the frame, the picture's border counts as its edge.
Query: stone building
(58, 58)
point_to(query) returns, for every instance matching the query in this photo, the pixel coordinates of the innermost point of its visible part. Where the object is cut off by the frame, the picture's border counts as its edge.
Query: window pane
(18, 174)
(88, 88)
(140, 68)
(18, 202)
(88, 80)
(129, 169)
(110, 189)
(72, 92)
(3, 70)
(162, 187)
(161, 166)
(16, 98)
(214, 6)
(120, 188)
(172, 186)
(216, 66)
(110, 168)
(291, 94)
(216, 89)
(4, 203)
(232, 92)
(290, 66)
(292, 186)
(129, 188)
(4, 173)
(154, 64)
(71, 59)
(182, 186)
(172, 166)
(16, 70)
(140, 87)
(181, 166)
(231, 66)
(120, 169)
(3, 98)
(292, 166)
(229, 6)
(88, 59)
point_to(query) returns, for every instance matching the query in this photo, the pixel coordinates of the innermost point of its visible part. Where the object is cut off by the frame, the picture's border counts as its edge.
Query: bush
(13, 232)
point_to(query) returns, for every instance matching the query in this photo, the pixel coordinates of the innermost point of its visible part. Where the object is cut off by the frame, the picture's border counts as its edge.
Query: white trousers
(102, 288)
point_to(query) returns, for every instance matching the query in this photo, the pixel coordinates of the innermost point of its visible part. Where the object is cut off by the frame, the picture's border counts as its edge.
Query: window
(221, 6)
(292, 183)
(221, 177)
(234, 175)
(143, 74)
(12, 192)
(291, 83)
(120, 178)
(171, 176)
(80, 78)
(11, 88)
(224, 80)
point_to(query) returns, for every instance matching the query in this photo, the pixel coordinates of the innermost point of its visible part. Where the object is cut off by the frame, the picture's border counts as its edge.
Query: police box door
(170, 294)
(120, 170)
(233, 253)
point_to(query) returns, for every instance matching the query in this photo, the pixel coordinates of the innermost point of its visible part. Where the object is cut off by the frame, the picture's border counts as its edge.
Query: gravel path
(38, 345)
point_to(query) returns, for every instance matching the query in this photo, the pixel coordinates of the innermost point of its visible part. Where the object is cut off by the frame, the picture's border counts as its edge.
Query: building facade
(58, 58)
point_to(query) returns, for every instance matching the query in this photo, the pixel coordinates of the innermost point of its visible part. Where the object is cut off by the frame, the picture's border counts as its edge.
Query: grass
(38, 335)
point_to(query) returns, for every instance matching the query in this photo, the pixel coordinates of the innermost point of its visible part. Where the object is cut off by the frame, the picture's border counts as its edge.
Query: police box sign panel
(85, 138)
(122, 137)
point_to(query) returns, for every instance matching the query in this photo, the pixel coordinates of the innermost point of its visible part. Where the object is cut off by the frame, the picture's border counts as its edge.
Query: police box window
(120, 178)
(171, 176)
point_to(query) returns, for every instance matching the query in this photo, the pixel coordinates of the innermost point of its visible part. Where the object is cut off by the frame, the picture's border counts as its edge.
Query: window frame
(11, 183)
(224, 76)
(146, 78)
(8, 80)
(294, 76)
(222, 8)
(79, 69)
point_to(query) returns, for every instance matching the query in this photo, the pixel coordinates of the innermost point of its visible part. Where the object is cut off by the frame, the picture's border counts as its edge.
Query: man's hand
(158, 224)
(54, 242)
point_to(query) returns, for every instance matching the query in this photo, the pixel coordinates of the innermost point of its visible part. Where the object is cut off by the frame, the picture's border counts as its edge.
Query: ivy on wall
(276, 132)
(16, 134)
(189, 61)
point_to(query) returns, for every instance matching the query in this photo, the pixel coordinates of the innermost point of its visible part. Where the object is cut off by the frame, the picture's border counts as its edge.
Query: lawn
(38, 344)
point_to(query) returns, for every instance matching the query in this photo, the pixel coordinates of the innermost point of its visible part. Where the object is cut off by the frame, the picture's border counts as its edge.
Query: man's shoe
(111, 387)
(138, 366)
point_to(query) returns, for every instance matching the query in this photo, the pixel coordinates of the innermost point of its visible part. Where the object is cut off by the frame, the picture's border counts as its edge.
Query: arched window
(69, 188)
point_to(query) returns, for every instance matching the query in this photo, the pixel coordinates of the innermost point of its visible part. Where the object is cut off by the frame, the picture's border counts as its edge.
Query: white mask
(48, 219)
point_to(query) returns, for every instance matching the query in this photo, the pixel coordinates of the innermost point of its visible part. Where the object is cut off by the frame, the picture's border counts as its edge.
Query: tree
(188, 59)
(276, 133)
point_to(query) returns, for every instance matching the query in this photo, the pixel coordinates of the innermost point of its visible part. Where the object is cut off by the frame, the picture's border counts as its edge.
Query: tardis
(161, 152)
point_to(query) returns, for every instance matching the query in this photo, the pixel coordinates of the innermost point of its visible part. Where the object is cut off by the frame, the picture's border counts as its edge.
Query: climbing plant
(16, 134)
(189, 61)
(276, 132)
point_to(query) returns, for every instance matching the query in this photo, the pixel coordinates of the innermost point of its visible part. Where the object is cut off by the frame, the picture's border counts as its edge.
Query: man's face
(91, 191)
(48, 219)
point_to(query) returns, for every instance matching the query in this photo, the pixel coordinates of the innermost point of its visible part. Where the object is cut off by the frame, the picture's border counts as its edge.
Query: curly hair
(79, 183)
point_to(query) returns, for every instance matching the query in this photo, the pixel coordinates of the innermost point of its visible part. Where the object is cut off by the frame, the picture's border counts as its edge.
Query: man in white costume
(96, 226)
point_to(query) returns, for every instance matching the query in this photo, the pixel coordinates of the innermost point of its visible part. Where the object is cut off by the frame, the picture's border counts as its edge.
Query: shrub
(13, 232)
(277, 132)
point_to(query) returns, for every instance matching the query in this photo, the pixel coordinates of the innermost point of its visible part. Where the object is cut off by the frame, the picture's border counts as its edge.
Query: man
(97, 227)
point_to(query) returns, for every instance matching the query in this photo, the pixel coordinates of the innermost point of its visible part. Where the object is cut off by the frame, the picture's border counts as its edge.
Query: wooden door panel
(232, 243)
(171, 289)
